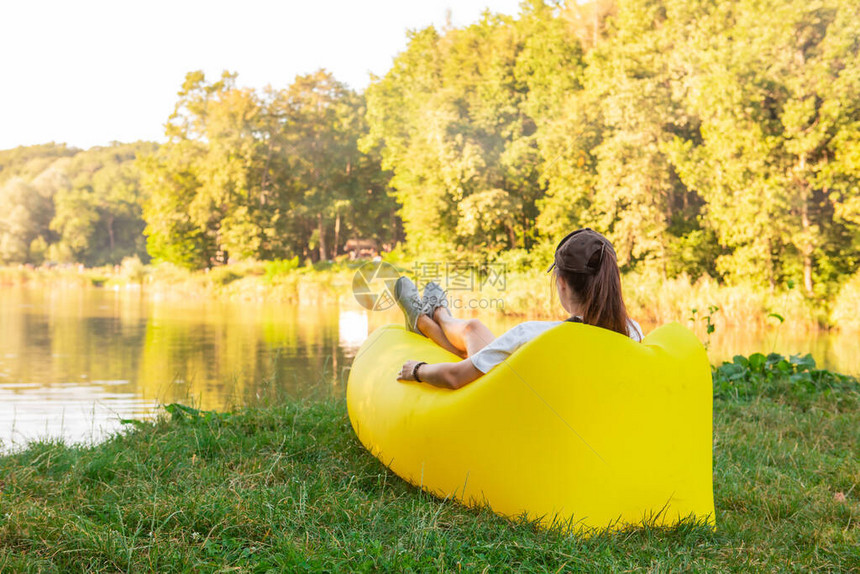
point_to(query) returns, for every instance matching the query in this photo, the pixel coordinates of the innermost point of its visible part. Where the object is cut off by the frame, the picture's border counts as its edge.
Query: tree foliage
(267, 176)
(66, 205)
(703, 138)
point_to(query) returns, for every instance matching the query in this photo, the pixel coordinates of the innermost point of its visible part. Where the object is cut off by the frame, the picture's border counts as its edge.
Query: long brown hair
(599, 295)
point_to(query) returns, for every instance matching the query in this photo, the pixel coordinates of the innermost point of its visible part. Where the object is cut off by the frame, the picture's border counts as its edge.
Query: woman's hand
(405, 373)
(444, 375)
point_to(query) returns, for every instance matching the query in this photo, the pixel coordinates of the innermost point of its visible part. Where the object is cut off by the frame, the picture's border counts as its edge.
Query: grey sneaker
(434, 297)
(406, 295)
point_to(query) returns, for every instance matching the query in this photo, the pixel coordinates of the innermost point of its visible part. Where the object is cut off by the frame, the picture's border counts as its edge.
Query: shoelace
(417, 303)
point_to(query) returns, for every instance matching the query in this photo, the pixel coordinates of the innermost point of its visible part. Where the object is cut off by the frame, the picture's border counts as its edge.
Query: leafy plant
(710, 326)
(793, 378)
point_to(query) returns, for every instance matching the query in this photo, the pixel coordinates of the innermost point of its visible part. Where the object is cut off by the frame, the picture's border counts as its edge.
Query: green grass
(287, 487)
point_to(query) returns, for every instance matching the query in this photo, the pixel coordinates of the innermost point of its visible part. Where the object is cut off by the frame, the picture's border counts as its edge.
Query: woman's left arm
(444, 375)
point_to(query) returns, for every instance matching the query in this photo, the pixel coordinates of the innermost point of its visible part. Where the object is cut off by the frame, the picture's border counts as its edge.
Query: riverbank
(523, 293)
(285, 486)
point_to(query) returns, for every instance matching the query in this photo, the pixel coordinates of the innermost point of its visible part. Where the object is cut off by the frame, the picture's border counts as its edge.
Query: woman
(589, 287)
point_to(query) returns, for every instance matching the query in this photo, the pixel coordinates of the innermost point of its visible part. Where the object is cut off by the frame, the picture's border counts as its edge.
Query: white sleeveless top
(502, 347)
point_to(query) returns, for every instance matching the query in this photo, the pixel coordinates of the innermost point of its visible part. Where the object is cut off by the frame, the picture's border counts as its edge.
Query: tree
(98, 217)
(204, 183)
(27, 162)
(450, 122)
(488, 220)
(775, 110)
(26, 209)
(321, 125)
(245, 175)
(552, 66)
(636, 85)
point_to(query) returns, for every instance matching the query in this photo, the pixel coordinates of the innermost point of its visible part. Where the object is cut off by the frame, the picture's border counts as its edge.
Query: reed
(524, 292)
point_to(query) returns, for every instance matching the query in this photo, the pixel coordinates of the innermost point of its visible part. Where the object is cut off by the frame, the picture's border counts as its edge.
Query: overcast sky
(89, 72)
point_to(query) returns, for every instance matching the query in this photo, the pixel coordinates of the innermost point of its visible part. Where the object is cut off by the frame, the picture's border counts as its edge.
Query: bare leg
(469, 335)
(434, 332)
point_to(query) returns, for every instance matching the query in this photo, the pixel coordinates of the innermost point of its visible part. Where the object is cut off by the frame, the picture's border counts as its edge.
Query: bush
(846, 310)
(223, 275)
(169, 273)
(133, 270)
(279, 267)
(795, 380)
(516, 260)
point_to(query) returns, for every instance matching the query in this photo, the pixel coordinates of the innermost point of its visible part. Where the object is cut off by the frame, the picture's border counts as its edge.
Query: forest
(703, 138)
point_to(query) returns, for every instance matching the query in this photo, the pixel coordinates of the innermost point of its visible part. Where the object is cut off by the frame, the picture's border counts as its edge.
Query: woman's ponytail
(599, 295)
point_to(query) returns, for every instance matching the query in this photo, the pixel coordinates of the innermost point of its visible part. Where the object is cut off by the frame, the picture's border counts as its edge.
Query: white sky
(89, 72)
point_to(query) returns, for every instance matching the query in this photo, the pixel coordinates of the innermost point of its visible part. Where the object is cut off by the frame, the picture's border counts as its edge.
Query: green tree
(450, 121)
(98, 217)
(272, 175)
(775, 114)
(322, 120)
(26, 209)
(18, 225)
(637, 86)
(204, 183)
(552, 65)
(27, 162)
(170, 181)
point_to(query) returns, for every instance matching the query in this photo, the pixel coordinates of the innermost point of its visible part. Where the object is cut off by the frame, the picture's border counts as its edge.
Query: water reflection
(80, 412)
(831, 351)
(73, 362)
(353, 329)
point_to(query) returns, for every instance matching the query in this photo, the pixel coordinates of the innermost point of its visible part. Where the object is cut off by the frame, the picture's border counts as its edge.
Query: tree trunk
(806, 247)
(396, 235)
(336, 245)
(110, 232)
(806, 242)
(321, 230)
(664, 257)
(664, 247)
(771, 272)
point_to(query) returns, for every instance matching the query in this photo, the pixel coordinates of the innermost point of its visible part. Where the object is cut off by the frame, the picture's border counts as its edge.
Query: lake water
(76, 361)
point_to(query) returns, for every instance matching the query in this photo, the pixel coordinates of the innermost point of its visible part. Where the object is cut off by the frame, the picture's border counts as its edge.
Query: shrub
(280, 267)
(847, 306)
(794, 379)
(133, 270)
(223, 275)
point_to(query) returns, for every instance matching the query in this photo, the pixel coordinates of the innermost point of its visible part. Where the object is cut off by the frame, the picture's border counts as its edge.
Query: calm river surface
(75, 361)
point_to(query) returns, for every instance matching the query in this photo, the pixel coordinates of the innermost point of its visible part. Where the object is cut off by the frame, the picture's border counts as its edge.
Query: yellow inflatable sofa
(581, 428)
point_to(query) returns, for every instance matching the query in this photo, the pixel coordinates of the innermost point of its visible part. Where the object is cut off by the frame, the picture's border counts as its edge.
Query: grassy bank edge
(285, 485)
